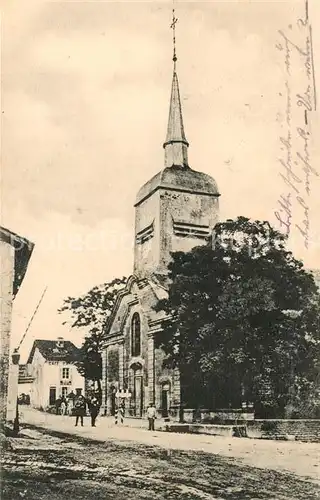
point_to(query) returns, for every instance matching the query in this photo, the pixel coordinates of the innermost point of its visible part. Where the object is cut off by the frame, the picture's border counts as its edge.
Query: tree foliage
(91, 312)
(242, 320)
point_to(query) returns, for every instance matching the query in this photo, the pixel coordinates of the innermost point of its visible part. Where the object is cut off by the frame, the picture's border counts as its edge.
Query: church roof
(179, 178)
(148, 292)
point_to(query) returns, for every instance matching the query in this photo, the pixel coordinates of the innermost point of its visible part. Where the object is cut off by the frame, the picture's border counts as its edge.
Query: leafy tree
(242, 320)
(91, 312)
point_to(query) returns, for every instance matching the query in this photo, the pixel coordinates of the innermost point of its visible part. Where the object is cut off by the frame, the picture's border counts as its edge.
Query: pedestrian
(151, 415)
(58, 404)
(80, 409)
(63, 407)
(72, 396)
(69, 407)
(94, 408)
(119, 415)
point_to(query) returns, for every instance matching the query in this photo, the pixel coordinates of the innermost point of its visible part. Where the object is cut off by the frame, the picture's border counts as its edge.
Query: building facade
(15, 253)
(174, 211)
(50, 373)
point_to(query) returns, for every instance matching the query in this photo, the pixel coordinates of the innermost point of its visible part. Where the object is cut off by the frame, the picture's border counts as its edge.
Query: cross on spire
(176, 145)
(173, 27)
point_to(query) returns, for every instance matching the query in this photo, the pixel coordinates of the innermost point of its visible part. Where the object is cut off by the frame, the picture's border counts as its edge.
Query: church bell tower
(178, 208)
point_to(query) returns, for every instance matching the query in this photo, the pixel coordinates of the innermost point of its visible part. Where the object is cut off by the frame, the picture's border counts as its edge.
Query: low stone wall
(210, 429)
(293, 430)
(296, 430)
(223, 416)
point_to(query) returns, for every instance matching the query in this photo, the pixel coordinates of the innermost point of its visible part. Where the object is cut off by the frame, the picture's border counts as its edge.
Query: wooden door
(165, 402)
(52, 396)
(138, 395)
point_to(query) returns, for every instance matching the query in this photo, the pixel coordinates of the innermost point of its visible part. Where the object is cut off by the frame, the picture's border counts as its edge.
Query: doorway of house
(52, 396)
(165, 390)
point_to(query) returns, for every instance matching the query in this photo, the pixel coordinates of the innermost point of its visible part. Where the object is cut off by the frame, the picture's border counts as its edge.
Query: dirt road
(301, 459)
(48, 465)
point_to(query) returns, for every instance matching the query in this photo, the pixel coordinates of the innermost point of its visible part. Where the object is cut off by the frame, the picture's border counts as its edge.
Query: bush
(269, 427)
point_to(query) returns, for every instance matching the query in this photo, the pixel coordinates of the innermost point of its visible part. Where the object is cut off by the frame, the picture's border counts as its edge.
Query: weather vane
(173, 27)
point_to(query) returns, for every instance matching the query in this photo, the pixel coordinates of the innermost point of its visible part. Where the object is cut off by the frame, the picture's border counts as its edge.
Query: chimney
(60, 342)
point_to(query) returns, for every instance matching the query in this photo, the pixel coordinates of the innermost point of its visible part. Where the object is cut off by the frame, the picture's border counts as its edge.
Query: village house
(15, 253)
(50, 373)
(174, 211)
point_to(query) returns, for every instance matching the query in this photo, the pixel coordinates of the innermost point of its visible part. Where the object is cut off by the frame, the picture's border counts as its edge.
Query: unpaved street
(60, 467)
(299, 458)
(58, 461)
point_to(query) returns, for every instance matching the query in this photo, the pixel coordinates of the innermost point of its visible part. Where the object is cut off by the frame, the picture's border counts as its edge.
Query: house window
(65, 373)
(135, 335)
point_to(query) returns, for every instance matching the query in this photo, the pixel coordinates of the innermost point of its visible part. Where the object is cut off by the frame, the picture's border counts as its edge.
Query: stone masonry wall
(7, 275)
(189, 208)
(299, 430)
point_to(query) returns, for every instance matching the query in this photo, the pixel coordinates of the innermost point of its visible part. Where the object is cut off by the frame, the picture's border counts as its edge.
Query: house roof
(51, 350)
(23, 250)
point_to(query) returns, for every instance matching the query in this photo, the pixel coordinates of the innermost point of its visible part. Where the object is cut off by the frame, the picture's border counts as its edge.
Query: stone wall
(191, 208)
(146, 253)
(299, 430)
(7, 276)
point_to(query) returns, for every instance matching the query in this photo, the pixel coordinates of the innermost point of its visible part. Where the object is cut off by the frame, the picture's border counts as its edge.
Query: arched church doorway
(137, 393)
(165, 399)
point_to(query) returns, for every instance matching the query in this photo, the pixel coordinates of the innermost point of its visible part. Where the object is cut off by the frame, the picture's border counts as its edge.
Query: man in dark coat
(94, 407)
(58, 404)
(80, 409)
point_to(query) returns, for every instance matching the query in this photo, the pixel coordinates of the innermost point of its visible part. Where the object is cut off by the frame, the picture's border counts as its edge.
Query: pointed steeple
(176, 145)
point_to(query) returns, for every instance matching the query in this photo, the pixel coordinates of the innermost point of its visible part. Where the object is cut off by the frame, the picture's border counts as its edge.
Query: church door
(165, 400)
(138, 395)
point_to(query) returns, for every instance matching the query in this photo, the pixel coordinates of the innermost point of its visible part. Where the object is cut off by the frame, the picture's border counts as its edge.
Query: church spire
(176, 145)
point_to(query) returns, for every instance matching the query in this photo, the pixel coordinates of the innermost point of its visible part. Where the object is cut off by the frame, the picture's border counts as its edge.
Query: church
(175, 210)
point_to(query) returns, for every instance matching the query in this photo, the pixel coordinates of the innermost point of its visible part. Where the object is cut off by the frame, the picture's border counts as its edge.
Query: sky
(85, 100)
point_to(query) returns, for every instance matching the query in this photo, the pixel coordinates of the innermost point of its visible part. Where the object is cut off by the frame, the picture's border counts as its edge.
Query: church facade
(175, 210)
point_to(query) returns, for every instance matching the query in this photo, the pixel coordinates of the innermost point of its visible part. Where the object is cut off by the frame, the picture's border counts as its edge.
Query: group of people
(80, 409)
(64, 405)
(77, 406)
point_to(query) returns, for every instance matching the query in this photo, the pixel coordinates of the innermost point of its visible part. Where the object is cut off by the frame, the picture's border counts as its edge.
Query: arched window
(135, 335)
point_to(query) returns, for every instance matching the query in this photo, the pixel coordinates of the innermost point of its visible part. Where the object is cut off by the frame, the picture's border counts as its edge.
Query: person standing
(80, 409)
(69, 407)
(71, 400)
(94, 410)
(151, 415)
(119, 415)
(63, 407)
(58, 404)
